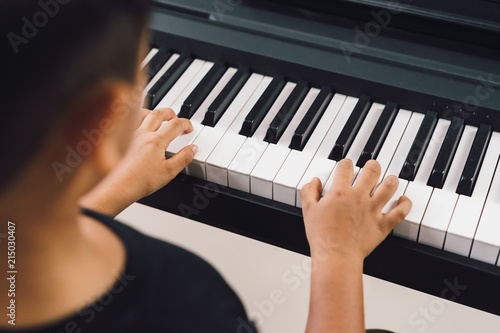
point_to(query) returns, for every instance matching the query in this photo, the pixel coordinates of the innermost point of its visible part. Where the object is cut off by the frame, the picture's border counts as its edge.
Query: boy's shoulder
(162, 288)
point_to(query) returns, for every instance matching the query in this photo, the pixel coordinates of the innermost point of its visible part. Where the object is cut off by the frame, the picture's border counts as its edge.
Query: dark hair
(52, 50)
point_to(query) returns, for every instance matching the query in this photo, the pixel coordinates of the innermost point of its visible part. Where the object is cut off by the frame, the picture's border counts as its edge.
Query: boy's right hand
(348, 219)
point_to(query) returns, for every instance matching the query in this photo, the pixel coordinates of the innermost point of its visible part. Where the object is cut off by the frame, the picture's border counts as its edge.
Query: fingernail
(195, 149)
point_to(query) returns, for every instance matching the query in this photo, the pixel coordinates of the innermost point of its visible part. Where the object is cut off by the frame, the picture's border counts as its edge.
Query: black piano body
(389, 50)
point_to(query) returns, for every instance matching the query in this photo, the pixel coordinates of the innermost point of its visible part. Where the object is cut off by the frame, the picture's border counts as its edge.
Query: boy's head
(62, 61)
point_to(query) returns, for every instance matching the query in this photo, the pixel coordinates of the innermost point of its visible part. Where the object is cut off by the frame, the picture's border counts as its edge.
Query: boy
(72, 87)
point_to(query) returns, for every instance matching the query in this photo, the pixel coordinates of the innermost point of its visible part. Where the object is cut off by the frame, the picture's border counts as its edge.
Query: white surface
(254, 270)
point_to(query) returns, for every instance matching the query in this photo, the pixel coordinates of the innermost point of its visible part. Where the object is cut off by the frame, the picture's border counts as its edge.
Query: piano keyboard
(268, 136)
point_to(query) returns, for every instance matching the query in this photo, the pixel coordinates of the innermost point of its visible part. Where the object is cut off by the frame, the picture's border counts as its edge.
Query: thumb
(398, 213)
(310, 193)
(181, 160)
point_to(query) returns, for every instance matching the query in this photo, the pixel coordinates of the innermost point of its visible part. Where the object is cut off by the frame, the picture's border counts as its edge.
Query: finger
(156, 117)
(177, 163)
(143, 114)
(398, 213)
(385, 191)
(170, 130)
(342, 177)
(369, 176)
(310, 193)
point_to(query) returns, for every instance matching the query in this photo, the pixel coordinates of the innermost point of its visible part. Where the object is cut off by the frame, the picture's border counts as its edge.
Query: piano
(279, 91)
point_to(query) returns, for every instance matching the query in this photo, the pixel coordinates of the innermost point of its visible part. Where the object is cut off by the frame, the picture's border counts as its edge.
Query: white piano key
(210, 136)
(149, 56)
(419, 195)
(398, 160)
(442, 202)
(177, 104)
(238, 171)
(436, 217)
(227, 148)
(463, 224)
(328, 184)
(468, 210)
(390, 144)
(252, 149)
(185, 139)
(262, 176)
(161, 72)
(181, 84)
(404, 146)
(417, 190)
(363, 135)
(392, 140)
(321, 166)
(486, 244)
(291, 172)
(364, 132)
(221, 156)
(432, 152)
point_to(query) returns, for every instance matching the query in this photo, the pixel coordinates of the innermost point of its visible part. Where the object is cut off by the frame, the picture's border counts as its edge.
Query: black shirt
(163, 288)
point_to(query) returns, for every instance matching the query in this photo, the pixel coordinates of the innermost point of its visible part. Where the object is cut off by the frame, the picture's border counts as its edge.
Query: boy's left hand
(144, 168)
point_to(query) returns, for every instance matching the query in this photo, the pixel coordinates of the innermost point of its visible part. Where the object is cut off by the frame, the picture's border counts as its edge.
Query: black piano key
(160, 89)
(286, 112)
(351, 128)
(380, 131)
(226, 96)
(311, 119)
(198, 95)
(474, 160)
(446, 153)
(156, 63)
(419, 146)
(264, 103)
